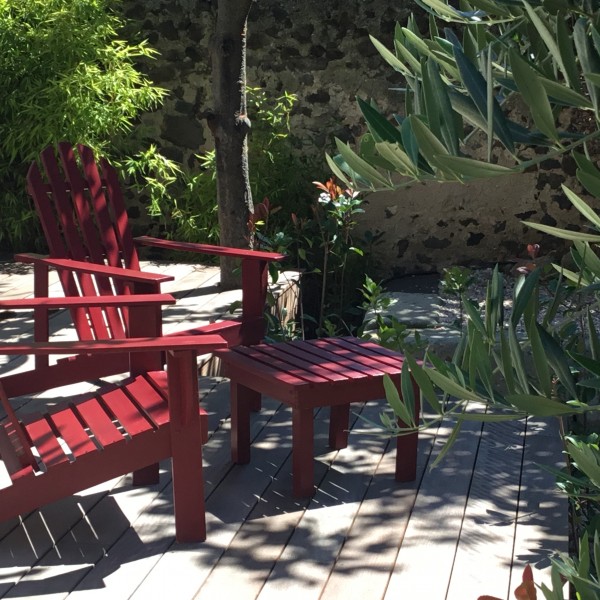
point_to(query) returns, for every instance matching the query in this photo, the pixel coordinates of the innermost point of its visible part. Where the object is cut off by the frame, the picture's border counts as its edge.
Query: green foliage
(187, 201)
(458, 81)
(64, 75)
(324, 248)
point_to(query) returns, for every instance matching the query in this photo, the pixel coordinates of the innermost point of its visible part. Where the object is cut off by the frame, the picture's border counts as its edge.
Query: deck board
(447, 536)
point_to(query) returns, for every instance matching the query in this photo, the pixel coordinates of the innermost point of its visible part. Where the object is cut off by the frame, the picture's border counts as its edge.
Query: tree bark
(229, 124)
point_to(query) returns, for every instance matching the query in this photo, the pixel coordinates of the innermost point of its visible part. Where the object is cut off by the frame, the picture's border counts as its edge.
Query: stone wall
(321, 51)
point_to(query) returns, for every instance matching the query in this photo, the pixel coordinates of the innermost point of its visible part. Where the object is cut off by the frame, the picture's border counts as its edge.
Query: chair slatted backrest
(84, 218)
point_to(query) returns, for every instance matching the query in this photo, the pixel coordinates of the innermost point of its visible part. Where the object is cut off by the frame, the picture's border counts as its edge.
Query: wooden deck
(463, 529)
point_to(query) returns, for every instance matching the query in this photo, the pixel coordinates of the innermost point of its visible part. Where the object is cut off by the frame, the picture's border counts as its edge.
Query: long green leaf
(517, 358)
(540, 406)
(588, 59)
(548, 37)
(448, 445)
(534, 95)
(432, 107)
(540, 361)
(587, 461)
(557, 359)
(469, 168)
(409, 57)
(424, 384)
(477, 89)
(379, 126)
(491, 418)
(337, 171)
(589, 213)
(593, 336)
(506, 366)
(446, 117)
(564, 95)
(590, 182)
(393, 397)
(408, 395)
(450, 386)
(398, 158)
(589, 257)
(565, 47)
(363, 168)
(429, 146)
(565, 234)
(390, 57)
(523, 294)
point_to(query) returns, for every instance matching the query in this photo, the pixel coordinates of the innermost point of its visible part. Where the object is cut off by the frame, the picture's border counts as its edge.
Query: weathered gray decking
(464, 529)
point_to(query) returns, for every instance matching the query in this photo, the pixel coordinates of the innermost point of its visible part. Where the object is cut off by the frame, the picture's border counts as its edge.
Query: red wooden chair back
(83, 217)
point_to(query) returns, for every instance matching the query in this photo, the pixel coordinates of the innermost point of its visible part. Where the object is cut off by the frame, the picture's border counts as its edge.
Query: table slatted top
(313, 369)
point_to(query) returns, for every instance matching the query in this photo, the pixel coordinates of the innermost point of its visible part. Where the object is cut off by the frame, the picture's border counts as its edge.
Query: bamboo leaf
(534, 95)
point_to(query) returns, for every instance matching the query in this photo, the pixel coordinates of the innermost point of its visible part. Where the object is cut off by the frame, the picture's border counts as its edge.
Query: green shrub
(64, 75)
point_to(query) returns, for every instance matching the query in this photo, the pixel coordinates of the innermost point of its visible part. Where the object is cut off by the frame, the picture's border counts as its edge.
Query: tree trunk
(229, 124)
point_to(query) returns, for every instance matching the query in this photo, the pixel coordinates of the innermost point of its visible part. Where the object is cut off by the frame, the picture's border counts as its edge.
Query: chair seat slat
(99, 422)
(72, 431)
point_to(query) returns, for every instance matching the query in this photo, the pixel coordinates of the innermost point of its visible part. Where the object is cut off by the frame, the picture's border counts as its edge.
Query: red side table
(330, 372)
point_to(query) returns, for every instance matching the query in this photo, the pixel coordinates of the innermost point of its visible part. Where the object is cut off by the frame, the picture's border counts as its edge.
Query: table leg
(338, 426)
(302, 451)
(242, 399)
(406, 449)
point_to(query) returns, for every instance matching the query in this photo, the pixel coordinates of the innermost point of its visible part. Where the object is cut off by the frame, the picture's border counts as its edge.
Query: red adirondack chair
(149, 416)
(84, 220)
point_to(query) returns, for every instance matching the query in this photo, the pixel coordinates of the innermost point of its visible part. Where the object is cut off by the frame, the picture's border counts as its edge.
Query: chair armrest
(208, 249)
(88, 302)
(68, 264)
(204, 343)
